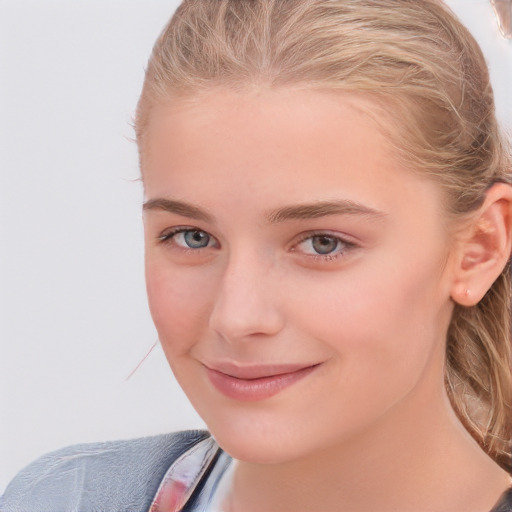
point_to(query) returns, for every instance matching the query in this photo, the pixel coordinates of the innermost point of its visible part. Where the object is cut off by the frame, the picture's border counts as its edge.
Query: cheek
(381, 312)
(180, 301)
(384, 336)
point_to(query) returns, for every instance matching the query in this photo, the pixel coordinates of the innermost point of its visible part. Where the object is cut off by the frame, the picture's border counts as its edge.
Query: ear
(484, 247)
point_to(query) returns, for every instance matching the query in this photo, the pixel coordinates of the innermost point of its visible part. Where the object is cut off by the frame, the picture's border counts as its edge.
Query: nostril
(246, 304)
(238, 316)
(237, 324)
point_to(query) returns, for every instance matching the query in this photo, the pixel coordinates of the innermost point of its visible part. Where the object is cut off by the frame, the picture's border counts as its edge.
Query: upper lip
(256, 371)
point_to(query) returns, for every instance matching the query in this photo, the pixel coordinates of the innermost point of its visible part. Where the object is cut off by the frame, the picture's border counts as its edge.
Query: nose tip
(246, 305)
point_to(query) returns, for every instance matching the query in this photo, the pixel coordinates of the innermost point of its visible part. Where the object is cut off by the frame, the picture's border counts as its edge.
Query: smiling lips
(257, 382)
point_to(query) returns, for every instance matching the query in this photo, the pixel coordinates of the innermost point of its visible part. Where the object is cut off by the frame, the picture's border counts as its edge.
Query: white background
(73, 316)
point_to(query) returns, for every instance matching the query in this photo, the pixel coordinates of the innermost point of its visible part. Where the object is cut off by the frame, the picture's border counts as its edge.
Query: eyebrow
(177, 207)
(306, 211)
(322, 209)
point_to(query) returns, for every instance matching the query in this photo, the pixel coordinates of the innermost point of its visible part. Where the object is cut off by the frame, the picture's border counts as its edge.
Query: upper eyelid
(169, 233)
(180, 229)
(298, 238)
(348, 246)
(347, 239)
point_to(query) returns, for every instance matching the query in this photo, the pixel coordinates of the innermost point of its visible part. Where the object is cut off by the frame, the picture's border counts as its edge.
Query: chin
(262, 439)
(256, 450)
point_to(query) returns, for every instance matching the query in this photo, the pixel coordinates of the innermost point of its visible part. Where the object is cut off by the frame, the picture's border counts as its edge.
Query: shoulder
(112, 476)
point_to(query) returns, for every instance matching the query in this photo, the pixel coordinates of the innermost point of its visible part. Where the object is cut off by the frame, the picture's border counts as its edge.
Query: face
(297, 275)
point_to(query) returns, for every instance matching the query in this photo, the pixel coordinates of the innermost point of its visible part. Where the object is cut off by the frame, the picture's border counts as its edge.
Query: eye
(195, 239)
(188, 238)
(324, 245)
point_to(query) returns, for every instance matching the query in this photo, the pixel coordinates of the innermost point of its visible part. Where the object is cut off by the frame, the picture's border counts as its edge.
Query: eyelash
(168, 237)
(346, 246)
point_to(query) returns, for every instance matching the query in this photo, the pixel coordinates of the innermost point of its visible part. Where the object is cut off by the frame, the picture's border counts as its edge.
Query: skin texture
(235, 170)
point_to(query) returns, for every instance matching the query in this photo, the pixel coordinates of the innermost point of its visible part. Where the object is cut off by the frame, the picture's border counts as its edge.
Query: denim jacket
(130, 476)
(118, 476)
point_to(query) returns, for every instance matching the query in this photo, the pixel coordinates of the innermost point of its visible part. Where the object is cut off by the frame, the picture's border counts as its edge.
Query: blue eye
(196, 239)
(323, 245)
(188, 238)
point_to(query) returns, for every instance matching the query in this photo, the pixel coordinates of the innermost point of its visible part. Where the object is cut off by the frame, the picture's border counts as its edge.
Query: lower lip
(251, 390)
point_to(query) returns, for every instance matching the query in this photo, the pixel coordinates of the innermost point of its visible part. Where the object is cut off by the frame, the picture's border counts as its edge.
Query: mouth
(255, 383)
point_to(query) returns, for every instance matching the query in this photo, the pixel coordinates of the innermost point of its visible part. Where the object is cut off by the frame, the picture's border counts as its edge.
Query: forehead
(240, 124)
(309, 144)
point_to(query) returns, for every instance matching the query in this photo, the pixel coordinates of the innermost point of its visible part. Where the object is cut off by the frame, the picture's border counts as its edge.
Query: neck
(419, 456)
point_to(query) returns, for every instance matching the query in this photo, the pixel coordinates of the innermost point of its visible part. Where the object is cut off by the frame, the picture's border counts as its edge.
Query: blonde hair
(425, 70)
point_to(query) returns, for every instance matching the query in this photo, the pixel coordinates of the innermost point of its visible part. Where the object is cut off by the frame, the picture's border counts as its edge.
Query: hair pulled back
(417, 61)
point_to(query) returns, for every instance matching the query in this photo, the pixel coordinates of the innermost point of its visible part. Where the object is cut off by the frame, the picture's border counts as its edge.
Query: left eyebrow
(322, 209)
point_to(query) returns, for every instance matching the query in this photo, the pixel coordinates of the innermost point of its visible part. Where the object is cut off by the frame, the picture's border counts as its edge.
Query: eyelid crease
(345, 239)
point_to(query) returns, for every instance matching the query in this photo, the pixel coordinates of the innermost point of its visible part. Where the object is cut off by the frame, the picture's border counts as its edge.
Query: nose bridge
(246, 302)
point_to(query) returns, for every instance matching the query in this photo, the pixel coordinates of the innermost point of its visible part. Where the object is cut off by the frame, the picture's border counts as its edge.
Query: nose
(247, 301)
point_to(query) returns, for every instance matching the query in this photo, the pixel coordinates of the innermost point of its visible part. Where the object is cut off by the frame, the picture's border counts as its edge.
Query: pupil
(324, 244)
(196, 239)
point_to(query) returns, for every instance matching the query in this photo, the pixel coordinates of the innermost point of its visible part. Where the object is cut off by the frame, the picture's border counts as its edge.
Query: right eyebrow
(177, 207)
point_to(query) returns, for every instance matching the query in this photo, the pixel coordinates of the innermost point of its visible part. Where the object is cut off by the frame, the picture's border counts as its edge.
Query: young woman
(328, 222)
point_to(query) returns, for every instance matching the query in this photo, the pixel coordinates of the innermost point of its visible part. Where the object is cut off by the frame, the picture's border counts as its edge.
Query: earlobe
(485, 247)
